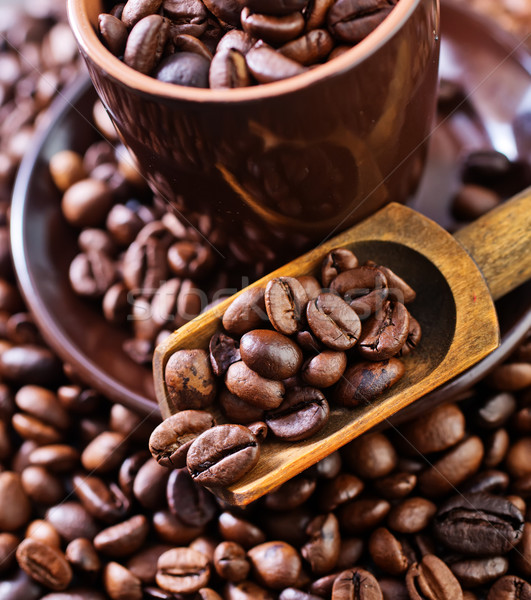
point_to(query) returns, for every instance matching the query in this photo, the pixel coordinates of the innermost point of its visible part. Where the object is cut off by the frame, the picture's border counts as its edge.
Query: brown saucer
(473, 51)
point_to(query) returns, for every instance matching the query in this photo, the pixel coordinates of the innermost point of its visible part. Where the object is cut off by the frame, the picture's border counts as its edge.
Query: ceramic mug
(265, 171)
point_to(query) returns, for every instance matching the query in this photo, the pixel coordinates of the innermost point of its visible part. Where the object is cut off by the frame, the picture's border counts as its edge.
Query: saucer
(489, 66)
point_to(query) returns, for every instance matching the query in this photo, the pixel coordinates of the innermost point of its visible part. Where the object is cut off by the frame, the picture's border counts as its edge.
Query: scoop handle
(500, 244)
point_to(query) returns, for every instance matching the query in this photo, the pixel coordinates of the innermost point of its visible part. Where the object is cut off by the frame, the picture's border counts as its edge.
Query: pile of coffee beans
(284, 353)
(146, 269)
(225, 44)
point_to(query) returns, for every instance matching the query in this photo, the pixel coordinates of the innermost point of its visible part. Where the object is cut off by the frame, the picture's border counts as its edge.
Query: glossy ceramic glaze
(281, 165)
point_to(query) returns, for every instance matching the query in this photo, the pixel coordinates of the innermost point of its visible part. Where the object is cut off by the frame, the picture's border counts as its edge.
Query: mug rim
(94, 49)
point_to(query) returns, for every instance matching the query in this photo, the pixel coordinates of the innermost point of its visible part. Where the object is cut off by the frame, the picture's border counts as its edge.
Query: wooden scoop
(456, 279)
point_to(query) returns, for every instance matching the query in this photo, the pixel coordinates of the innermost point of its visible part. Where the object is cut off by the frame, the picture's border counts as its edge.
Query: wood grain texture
(500, 244)
(453, 305)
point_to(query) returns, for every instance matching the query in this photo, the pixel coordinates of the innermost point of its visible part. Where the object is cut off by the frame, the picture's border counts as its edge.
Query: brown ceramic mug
(267, 170)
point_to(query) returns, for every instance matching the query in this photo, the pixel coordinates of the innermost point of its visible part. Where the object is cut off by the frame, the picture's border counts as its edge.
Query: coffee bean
(365, 381)
(333, 322)
(72, 520)
(479, 571)
(437, 430)
(236, 529)
(187, 500)
(105, 452)
(356, 584)
(124, 538)
(86, 203)
(246, 312)
(309, 49)
(28, 364)
(510, 588)
(387, 552)
(431, 578)
(113, 32)
(44, 564)
(363, 515)
(251, 387)
(285, 301)
(31, 428)
(171, 529)
(491, 481)
(222, 455)
(170, 441)
(57, 458)
(303, 413)
(81, 554)
(275, 564)
(144, 267)
(182, 571)
(229, 70)
(396, 485)
(325, 369)
(479, 524)
(134, 10)
(339, 490)
(289, 526)
(238, 411)
(357, 282)
(459, 463)
(411, 515)
(15, 507)
(184, 68)
(371, 456)
(189, 380)
(230, 561)
(104, 502)
(270, 354)
(66, 168)
(266, 65)
(41, 486)
(511, 377)
(399, 290)
(384, 334)
(518, 458)
(120, 583)
(272, 29)
(146, 42)
(322, 549)
(335, 262)
(246, 590)
(8, 546)
(143, 564)
(150, 483)
(274, 7)
(43, 404)
(350, 23)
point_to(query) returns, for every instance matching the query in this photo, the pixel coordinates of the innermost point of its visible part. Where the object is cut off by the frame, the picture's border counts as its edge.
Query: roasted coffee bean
(289, 526)
(238, 411)
(184, 68)
(309, 49)
(511, 377)
(285, 301)
(91, 274)
(350, 552)
(358, 282)
(134, 10)
(387, 552)
(113, 32)
(44, 564)
(123, 223)
(325, 369)
(364, 382)
(144, 267)
(363, 515)
(437, 430)
(267, 65)
(43, 404)
(229, 70)
(522, 557)
(322, 549)
(120, 583)
(170, 441)
(291, 494)
(105, 502)
(308, 342)
(124, 538)
(275, 565)
(190, 502)
(431, 578)
(396, 485)
(272, 29)
(236, 39)
(384, 334)
(105, 452)
(28, 364)
(518, 459)
(66, 168)
(57, 458)
(459, 463)
(182, 571)
(171, 529)
(72, 520)
(143, 564)
(31, 428)
(411, 515)
(80, 553)
(371, 456)
(413, 337)
(473, 572)
(41, 486)
(496, 410)
(246, 312)
(274, 7)
(510, 588)
(370, 304)
(236, 529)
(356, 584)
(246, 590)
(222, 455)
(333, 322)
(15, 507)
(492, 481)
(399, 290)
(339, 490)
(150, 483)
(479, 524)
(270, 354)
(350, 23)
(230, 561)
(336, 261)
(251, 387)
(303, 413)
(189, 380)
(87, 202)
(146, 42)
